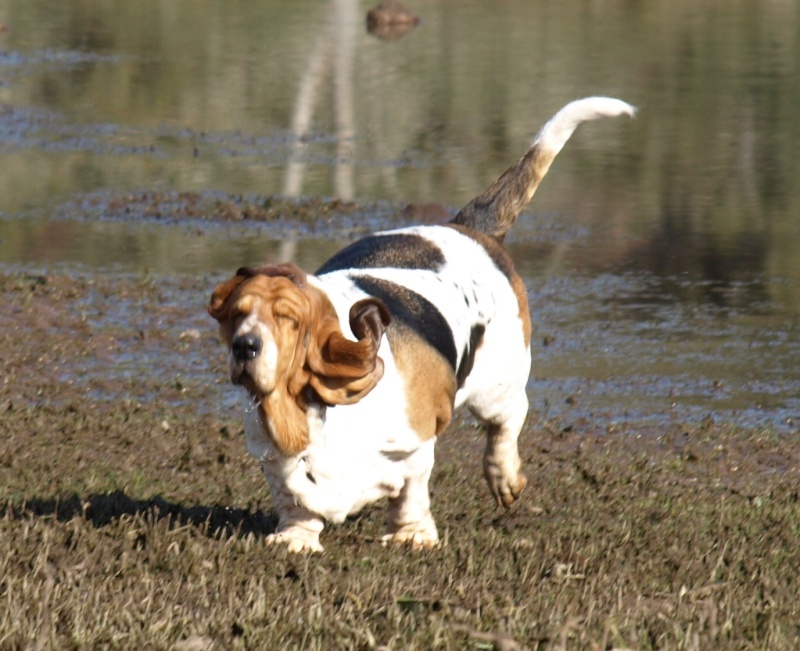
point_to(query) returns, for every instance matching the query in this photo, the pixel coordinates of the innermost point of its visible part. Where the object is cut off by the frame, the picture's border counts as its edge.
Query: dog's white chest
(357, 454)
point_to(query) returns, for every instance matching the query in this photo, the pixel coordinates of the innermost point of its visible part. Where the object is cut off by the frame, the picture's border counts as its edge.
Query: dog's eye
(284, 310)
(287, 320)
(242, 307)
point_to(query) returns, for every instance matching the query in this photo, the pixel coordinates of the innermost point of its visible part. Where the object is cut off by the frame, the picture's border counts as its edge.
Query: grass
(612, 547)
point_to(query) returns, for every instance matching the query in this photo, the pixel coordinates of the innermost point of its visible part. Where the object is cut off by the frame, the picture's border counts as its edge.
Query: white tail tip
(557, 131)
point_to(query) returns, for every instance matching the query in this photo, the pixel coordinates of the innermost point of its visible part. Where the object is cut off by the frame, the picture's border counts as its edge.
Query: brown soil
(132, 516)
(282, 215)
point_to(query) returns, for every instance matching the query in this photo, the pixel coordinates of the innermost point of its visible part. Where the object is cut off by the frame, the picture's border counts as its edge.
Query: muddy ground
(132, 516)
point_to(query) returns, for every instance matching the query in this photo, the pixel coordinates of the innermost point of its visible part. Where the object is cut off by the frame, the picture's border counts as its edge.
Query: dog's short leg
(298, 534)
(298, 528)
(410, 520)
(501, 462)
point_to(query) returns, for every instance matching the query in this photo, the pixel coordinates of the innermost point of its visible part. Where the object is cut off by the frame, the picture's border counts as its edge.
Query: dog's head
(285, 346)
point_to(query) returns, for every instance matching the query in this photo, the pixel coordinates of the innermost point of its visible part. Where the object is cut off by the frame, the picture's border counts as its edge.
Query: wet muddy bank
(609, 349)
(147, 337)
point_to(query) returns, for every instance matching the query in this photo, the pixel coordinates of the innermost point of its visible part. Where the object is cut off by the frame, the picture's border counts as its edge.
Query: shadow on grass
(103, 510)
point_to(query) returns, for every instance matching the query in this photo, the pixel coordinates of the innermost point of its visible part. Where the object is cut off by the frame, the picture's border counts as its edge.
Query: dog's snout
(246, 347)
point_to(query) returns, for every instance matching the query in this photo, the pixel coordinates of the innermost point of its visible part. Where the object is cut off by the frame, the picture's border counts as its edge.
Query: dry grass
(129, 524)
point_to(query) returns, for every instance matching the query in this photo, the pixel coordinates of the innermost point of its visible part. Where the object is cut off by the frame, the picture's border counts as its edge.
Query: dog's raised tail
(494, 211)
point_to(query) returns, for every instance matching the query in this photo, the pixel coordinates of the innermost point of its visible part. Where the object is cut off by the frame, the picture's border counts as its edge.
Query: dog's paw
(506, 489)
(419, 535)
(414, 539)
(297, 541)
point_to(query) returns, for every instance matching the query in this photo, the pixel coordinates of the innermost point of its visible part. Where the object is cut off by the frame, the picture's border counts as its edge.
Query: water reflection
(269, 97)
(696, 200)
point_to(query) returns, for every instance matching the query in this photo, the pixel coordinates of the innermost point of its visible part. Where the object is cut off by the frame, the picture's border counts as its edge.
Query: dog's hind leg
(501, 461)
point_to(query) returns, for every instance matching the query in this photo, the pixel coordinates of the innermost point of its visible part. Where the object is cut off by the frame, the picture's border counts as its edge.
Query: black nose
(246, 347)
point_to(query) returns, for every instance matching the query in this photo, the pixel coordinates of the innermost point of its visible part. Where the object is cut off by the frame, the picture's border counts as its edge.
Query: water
(661, 254)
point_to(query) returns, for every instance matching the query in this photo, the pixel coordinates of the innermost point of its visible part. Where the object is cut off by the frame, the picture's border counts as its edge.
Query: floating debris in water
(390, 20)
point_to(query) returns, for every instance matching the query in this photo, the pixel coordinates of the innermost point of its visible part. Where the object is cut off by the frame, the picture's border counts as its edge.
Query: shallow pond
(661, 254)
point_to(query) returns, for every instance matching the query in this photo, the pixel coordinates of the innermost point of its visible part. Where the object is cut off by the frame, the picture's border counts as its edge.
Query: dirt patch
(132, 516)
(192, 205)
(283, 215)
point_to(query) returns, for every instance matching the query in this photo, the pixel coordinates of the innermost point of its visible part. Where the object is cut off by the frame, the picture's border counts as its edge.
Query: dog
(353, 372)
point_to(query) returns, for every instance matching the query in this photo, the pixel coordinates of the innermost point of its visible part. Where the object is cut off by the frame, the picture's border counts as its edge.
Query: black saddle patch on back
(393, 250)
(413, 311)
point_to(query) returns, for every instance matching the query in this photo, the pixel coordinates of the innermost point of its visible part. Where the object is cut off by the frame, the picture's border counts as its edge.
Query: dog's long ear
(218, 305)
(287, 422)
(340, 370)
(344, 371)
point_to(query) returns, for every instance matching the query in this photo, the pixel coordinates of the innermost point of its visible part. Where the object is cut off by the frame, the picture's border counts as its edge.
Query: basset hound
(351, 374)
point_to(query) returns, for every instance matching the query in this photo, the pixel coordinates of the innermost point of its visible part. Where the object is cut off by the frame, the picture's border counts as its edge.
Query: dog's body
(340, 415)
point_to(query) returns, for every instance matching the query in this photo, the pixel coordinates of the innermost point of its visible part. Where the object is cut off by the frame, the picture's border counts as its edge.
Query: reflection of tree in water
(337, 38)
(336, 44)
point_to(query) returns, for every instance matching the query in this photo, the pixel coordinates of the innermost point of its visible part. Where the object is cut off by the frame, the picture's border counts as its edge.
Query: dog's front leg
(298, 528)
(300, 532)
(410, 520)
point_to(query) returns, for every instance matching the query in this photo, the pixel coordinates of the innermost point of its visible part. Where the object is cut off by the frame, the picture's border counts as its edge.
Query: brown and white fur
(352, 373)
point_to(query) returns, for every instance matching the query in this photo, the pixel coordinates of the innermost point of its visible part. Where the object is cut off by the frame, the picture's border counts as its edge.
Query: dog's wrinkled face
(283, 337)
(261, 326)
